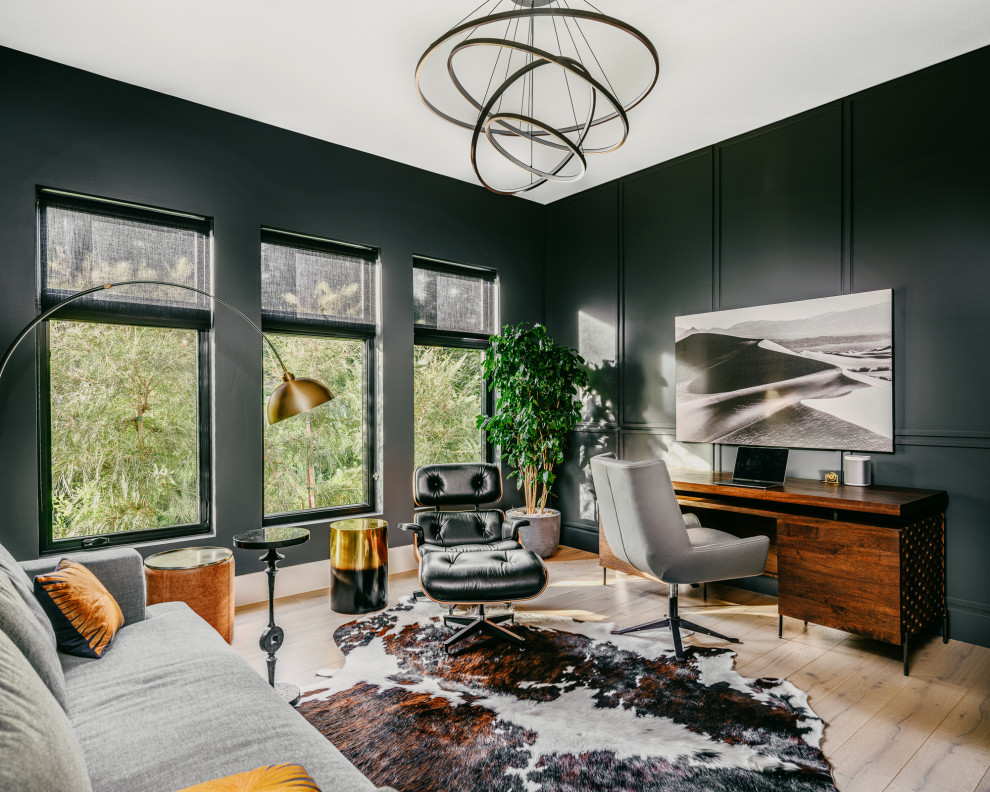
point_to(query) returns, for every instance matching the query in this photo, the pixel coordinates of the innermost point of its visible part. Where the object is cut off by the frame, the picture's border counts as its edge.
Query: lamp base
(288, 693)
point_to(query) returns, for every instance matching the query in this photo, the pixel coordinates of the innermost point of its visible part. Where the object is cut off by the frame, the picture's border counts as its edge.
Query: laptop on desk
(758, 468)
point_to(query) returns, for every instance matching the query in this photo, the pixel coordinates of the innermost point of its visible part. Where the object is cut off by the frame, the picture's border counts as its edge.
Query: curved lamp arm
(290, 398)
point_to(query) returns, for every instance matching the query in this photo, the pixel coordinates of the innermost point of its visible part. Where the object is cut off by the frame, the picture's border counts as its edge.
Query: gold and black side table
(270, 540)
(358, 565)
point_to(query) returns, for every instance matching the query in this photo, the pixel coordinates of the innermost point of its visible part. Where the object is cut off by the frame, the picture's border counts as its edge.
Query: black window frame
(369, 336)
(454, 339)
(204, 337)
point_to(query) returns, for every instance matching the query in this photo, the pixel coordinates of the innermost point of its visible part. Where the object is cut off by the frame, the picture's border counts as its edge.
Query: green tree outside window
(449, 391)
(316, 460)
(124, 428)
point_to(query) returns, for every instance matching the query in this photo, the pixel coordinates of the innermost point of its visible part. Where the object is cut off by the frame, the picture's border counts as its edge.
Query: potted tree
(537, 384)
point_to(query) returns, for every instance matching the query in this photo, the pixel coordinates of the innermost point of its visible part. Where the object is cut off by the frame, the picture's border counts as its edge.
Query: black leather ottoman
(480, 577)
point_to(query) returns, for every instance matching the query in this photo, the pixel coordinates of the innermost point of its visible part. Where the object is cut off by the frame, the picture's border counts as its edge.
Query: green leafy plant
(537, 384)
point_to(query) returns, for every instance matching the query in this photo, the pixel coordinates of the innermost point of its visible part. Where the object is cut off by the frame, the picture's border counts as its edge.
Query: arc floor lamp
(295, 395)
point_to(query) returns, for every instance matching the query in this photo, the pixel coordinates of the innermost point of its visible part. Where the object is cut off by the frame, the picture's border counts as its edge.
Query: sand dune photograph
(808, 374)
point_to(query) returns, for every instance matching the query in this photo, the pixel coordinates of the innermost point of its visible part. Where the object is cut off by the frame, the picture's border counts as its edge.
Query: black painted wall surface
(585, 280)
(64, 128)
(889, 188)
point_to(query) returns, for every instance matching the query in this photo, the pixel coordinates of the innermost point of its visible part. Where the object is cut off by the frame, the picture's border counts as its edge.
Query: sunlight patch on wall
(596, 344)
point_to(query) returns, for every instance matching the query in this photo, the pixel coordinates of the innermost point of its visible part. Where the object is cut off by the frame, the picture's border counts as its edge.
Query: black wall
(64, 128)
(889, 188)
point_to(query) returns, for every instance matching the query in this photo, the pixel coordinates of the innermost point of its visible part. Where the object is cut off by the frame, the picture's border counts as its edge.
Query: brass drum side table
(270, 539)
(358, 565)
(202, 577)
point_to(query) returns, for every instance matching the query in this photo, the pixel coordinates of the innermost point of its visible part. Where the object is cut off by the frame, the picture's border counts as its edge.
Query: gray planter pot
(542, 535)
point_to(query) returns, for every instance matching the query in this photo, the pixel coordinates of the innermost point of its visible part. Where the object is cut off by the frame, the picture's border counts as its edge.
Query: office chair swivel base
(471, 625)
(676, 624)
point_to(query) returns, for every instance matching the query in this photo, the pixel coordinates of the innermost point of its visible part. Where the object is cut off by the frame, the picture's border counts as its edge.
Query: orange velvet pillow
(273, 778)
(84, 614)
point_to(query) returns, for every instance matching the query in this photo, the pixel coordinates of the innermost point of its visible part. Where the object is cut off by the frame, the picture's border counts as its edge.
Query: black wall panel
(582, 254)
(582, 261)
(667, 272)
(77, 131)
(780, 212)
(575, 493)
(639, 445)
(884, 189)
(921, 220)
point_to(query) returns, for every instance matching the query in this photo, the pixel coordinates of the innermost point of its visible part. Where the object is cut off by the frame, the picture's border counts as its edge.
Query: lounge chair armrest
(412, 528)
(510, 528)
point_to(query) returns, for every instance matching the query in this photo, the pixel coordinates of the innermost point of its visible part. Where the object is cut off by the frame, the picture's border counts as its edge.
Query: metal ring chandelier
(546, 91)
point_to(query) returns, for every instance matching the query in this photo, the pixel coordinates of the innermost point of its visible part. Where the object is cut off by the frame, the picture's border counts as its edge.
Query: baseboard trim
(301, 578)
(579, 537)
(976, 608)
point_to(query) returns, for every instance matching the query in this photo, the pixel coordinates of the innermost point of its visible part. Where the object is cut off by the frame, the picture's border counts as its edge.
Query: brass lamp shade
(296, 396)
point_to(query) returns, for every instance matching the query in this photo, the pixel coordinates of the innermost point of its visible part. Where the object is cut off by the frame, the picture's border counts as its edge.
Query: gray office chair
(645, 528)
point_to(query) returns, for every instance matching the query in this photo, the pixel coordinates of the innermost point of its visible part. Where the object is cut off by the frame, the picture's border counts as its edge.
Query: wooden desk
(868, 560)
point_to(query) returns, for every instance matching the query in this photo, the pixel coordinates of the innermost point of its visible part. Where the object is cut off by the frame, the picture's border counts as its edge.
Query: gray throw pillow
(40, 750)
(17, 622)
(25, 587)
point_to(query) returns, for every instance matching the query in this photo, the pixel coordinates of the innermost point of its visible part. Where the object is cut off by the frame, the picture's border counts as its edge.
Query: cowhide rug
(574, 708)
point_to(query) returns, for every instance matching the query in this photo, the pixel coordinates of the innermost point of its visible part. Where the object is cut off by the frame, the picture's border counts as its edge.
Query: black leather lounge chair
(471, 556)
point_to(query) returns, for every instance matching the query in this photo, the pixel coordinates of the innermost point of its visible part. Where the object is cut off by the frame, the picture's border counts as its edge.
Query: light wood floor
(929, 731)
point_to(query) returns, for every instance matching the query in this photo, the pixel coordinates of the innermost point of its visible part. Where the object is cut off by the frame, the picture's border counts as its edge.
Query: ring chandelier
(525, 79)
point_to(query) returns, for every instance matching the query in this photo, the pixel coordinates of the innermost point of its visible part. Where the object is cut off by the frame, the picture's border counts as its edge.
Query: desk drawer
(842, 575)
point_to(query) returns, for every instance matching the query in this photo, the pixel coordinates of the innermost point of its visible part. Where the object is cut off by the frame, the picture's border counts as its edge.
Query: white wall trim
(301, 578)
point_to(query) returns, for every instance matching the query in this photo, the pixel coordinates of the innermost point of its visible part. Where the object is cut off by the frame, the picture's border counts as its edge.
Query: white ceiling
(343, 71)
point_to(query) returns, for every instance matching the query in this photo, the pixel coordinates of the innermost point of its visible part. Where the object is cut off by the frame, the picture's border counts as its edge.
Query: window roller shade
(453, 299)
(316, 284)
(86, 243)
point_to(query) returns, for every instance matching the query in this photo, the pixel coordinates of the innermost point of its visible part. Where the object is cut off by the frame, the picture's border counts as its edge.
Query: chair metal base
(471, 625)
(676, 624)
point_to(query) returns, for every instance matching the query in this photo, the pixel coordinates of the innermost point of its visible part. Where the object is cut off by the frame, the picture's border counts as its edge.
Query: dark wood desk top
(889, 501)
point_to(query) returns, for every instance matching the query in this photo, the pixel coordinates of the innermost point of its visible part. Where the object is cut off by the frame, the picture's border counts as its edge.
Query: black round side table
(270, 539)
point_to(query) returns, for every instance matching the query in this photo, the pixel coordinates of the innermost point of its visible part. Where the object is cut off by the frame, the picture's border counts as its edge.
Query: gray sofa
(169, 705)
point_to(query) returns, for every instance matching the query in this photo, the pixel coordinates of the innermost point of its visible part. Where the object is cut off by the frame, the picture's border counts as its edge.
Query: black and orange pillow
(84, 614)
(272, 778)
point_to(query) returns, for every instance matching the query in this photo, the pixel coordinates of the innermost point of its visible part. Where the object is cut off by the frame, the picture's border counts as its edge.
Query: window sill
(319, 516)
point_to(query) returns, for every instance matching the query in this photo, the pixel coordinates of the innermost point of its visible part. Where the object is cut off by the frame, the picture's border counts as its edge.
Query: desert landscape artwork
(808, 374)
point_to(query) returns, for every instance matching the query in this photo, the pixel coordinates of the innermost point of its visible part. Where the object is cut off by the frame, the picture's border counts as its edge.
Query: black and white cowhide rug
(574, 708)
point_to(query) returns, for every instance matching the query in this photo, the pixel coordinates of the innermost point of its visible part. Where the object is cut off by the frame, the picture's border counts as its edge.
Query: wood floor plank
(812, 634)
(787, 658)
(828, 671)
(957, 755)
(851, 704)
(967, 664)
(877, 752)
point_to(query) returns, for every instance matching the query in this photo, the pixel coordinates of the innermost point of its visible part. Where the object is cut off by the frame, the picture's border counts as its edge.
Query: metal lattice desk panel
(922, 573)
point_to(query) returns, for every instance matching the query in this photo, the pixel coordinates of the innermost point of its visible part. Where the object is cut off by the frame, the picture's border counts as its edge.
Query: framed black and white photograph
(807, 374)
